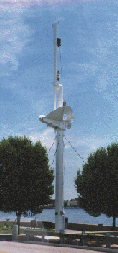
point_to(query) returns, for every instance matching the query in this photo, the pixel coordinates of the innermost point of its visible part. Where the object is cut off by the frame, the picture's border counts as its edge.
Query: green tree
(97, 184)
(26, 179)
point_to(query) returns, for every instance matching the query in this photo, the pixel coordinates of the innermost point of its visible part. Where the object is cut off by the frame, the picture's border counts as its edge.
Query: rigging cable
(74, 149)
(54, 154)
(52, 145)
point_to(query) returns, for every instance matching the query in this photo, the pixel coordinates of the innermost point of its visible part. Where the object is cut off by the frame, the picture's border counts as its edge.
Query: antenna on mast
(55, 54)
(57, 90)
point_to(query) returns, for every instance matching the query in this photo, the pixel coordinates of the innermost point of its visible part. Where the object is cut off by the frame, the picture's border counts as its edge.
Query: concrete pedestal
(15, 233)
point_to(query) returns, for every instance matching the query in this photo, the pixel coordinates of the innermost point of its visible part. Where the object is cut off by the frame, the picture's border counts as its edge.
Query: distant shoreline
(67, 207)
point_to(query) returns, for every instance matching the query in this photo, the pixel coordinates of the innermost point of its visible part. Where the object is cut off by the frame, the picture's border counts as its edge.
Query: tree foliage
(26, 180)
(97, 184)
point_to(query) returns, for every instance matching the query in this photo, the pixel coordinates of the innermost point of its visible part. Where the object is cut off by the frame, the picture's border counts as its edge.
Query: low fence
(80, 239)
(108, 238)
(100, 234)
(42, 234)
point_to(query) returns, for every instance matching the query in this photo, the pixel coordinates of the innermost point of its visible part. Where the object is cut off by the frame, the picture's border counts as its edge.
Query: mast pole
(55, 65)
(56, 120)
(59, 195)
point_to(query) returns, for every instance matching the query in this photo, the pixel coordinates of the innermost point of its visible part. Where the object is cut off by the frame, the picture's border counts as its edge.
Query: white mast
(56, 120)
(59, 194)
(55, 63)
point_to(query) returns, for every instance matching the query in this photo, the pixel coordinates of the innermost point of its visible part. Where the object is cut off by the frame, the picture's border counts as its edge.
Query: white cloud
(46, 137)
(17, 4)
(6, 130)
(13, 36)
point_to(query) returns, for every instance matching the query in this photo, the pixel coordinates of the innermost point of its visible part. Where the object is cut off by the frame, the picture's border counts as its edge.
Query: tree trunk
(114, 222)
(18, 214)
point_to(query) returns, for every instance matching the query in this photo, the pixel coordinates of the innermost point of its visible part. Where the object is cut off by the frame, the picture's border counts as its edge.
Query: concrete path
(16, 247)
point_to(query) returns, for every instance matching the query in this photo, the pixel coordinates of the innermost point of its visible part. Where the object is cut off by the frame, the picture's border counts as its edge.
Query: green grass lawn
(7, 228)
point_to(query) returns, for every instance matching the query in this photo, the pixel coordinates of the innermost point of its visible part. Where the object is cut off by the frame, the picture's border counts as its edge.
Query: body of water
(74, 216)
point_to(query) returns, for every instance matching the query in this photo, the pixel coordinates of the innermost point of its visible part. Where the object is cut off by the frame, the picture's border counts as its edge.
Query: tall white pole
(55, 64)
(59, 195)
(59, 200)
(55, 119)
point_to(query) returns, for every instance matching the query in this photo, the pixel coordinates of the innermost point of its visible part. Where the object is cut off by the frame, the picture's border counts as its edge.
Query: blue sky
(89, 64)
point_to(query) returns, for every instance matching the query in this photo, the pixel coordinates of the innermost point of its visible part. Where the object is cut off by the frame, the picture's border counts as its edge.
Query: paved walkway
(16, 247)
